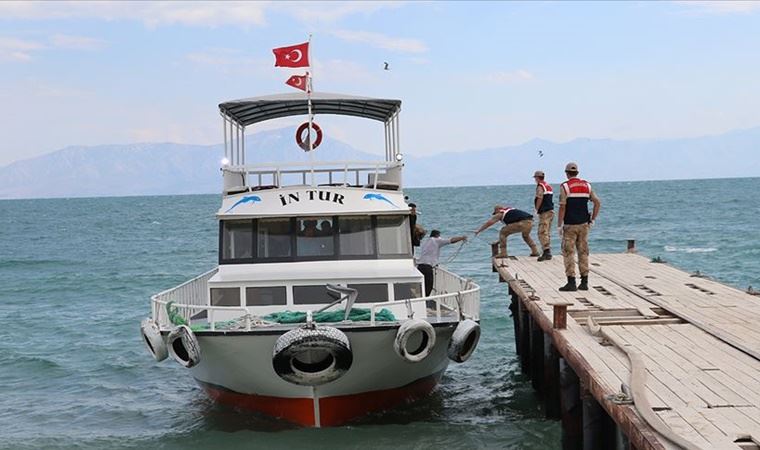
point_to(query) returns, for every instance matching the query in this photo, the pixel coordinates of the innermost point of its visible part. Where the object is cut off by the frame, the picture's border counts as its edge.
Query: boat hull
(236, 370)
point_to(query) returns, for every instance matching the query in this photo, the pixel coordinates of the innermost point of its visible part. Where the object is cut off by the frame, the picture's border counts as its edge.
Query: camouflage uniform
(524, 227)
(544, 221)
(544, 229)
(575, 238)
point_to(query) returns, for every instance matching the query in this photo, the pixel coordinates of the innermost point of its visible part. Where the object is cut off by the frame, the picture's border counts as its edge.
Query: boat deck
(699, 341)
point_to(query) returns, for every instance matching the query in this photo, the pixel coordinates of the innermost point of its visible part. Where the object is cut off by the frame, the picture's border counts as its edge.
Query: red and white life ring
(303, 142)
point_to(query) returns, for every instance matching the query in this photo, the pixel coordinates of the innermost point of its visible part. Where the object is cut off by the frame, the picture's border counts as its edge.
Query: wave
(669, 248)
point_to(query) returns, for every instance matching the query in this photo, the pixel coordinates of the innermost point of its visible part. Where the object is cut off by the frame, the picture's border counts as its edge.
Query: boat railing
(188, 296)
(453, 296)
(367, 174)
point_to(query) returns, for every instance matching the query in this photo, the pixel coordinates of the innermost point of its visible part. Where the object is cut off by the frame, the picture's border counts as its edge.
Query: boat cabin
(287, 229)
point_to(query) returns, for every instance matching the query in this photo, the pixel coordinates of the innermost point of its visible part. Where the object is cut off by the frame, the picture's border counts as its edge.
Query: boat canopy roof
(248, 111)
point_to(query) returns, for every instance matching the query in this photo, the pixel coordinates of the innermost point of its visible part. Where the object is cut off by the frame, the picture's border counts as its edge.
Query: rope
(638, 388)
(456, 253)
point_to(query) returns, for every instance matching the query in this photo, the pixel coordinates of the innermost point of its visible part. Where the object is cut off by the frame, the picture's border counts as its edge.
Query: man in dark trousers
(430, 251)
(573, 224)
(413, 225)
(515, 221)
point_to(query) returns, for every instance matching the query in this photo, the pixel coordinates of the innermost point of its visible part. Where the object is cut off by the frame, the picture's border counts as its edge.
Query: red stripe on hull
(296, 410)
(338, 410)
(333, 411)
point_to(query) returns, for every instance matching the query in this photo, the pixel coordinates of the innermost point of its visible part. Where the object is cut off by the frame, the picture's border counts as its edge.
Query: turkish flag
(299, 82)
(293, 56)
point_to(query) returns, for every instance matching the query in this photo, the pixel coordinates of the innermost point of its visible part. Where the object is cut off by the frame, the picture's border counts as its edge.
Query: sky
(471, 75)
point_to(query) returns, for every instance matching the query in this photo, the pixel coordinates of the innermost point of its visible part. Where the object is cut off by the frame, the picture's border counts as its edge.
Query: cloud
(22, 50)
(76, 42)
(378, 40)
(310, 12)
(515, 76)
(721, 7)
(211, 14)
(14, 49)
(230, 61)
(340, 72)
(201, 13)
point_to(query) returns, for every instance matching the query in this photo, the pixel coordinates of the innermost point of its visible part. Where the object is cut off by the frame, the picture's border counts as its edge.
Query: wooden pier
(650, 357)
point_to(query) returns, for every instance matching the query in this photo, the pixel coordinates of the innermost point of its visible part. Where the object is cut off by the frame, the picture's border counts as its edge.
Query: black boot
(546, 256)
(570, 286)
(584, 283)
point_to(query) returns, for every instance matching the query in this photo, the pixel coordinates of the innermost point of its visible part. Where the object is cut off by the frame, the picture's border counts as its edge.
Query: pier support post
(551, 379)
(536, 356)
(621, 440)
(524, 341)
(570, 405)
(494, 252)
(598, 427)
(515, 313)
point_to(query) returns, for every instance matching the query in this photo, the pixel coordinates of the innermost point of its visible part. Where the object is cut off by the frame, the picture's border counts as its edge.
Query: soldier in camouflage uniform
(544, 203)
(574, 223)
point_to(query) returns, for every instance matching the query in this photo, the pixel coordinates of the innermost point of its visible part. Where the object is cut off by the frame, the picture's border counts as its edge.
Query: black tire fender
(312, 356)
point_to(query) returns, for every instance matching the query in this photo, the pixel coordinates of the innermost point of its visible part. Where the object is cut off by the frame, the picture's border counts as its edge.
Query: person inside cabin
(430, 252)
(325, 228)
(515, 221)
(309, 228)
(313, 241)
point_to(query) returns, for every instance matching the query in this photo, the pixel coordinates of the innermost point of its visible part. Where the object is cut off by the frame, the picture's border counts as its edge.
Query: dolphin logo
(246, 199)
(380, 197)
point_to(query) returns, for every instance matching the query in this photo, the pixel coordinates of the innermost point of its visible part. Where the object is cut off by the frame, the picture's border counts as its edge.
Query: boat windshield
(314, 239)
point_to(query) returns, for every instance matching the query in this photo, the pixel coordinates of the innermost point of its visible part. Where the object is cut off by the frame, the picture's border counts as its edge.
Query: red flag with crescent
(299, 82)
(292, 56)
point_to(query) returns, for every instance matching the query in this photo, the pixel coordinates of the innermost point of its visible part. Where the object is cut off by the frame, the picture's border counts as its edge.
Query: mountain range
(167, 168)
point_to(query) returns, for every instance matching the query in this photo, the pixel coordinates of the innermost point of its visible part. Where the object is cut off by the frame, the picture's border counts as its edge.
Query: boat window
(225, 296)
(237, 239)
(315, 236)
(310, 295)
(371, 293)
(260, 296)
(393, 236)
(403, 291)
(356, 238)
(274, 238)
(287, 239)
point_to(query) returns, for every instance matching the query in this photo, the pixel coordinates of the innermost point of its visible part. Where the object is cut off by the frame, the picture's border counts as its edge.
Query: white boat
(295, 238)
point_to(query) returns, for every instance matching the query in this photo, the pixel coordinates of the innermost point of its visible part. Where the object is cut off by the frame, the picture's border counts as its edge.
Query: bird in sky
(540, 154)
(386, 66)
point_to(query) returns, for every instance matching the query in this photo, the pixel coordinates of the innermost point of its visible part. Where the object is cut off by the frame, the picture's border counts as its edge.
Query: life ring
(312, 356)
(153, 340)
(305, 144)
(417, 334)
(183, 346)
(464, 340)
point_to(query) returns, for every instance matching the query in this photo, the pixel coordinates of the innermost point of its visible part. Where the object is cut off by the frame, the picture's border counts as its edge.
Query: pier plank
(703, 364)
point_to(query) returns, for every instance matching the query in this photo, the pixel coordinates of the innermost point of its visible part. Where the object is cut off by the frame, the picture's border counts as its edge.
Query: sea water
(76, 276)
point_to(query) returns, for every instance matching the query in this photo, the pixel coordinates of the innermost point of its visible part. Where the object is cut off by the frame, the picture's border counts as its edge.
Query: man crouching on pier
(515, 221)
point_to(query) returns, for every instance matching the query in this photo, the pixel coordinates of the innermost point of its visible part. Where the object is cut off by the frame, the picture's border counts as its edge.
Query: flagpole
(311, 116)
